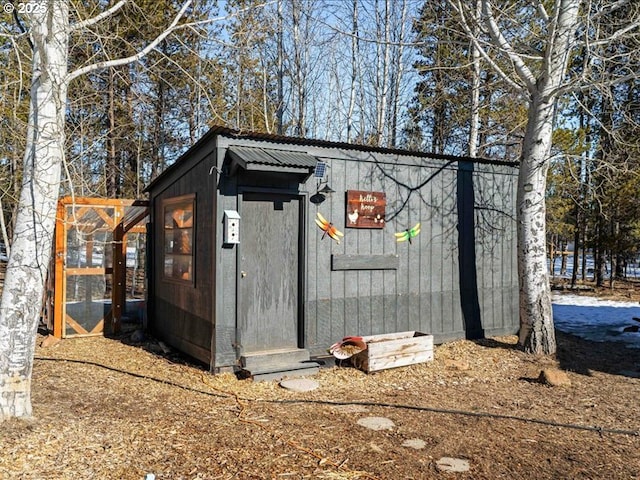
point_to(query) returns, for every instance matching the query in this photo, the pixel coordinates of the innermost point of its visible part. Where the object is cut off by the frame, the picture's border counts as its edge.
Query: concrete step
(268, 358)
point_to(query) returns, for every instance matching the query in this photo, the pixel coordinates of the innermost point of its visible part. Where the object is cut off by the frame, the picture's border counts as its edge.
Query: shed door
(270, 269)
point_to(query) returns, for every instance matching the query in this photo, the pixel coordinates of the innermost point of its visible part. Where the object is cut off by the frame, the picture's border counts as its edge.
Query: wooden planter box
(394, 350)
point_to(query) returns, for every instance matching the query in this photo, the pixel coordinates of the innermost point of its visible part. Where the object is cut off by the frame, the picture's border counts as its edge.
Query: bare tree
(540, 73)
(49, 32)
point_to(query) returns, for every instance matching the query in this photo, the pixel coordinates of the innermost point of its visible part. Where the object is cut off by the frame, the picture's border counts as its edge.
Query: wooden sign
(365, 209)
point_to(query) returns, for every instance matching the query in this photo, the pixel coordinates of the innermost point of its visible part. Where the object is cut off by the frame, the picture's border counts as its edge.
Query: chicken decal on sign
(328, 228)
(365, 209)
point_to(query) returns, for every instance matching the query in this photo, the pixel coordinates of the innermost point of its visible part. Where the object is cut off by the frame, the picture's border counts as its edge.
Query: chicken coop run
(266, 249)
(97, 276)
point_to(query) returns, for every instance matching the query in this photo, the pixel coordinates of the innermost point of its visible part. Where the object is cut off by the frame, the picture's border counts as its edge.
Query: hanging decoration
(408, 234)
(328, 228)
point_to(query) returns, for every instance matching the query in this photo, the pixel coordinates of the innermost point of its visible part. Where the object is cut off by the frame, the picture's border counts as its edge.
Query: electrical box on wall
(231, 223)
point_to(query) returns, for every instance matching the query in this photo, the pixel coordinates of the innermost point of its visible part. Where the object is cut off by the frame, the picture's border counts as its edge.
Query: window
(178, 216)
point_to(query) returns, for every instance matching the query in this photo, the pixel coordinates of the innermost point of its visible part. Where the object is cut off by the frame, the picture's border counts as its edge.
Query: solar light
(326, 190)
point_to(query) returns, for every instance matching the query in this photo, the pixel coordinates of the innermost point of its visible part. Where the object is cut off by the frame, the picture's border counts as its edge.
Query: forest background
(389, 73)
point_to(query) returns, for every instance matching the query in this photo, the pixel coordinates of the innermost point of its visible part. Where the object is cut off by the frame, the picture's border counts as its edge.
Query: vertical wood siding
(457, 278)
(425, 292)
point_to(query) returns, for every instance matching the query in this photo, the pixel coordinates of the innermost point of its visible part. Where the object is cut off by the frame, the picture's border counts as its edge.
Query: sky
(597, 319)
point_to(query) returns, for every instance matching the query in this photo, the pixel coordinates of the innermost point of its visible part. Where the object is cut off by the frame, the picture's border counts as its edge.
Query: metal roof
(284, 140)
(251, 158)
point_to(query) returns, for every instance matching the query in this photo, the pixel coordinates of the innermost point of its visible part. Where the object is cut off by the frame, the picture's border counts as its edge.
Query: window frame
(169, 205)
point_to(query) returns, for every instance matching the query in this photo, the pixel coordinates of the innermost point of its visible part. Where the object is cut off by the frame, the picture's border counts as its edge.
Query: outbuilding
(265, 249)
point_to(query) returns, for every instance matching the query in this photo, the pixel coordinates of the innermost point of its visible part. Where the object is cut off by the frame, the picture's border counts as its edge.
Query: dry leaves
(106, 409)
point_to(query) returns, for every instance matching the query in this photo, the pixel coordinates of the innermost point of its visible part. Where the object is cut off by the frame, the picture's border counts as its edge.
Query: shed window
(178, 249)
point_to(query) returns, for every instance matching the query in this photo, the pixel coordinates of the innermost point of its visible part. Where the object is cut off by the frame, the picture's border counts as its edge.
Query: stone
(299, 384)
(631, 329)
(375, 448)
(49, 341)
(376, 423)
(165, 349)
(137, 336)
(554, 378)
(457, 364)
(415, 443)
(449, 464)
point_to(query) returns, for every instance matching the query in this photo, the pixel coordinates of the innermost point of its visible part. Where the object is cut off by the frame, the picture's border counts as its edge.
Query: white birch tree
(541, 75)
(20, 306)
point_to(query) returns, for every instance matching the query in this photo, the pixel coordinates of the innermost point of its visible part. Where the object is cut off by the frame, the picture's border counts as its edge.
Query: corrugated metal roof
(294, 159)
(284, 140)
(277, 158)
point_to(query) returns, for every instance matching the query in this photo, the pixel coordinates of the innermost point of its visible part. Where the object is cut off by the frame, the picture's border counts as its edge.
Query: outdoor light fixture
(528, 187)
(326, 190)
(321, 194)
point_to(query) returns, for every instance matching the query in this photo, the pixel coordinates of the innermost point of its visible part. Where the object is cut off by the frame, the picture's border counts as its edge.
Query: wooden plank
(108, 202)
(396, 350)
(88, 271)
(386, 337)
(365, 262)
(75, 325)
(59, 274)
(108, 219)
(99, 328)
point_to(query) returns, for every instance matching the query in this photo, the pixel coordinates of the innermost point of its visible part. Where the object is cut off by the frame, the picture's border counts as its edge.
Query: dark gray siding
(456, 279)
(182, 315)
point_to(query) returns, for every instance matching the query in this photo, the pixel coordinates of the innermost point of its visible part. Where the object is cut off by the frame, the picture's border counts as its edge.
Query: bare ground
(104, 408)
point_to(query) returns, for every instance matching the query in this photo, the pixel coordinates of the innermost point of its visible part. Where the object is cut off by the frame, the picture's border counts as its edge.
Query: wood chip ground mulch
(107, 409)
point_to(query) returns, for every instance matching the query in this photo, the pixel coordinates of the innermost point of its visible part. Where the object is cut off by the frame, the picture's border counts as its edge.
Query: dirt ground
(108, 409)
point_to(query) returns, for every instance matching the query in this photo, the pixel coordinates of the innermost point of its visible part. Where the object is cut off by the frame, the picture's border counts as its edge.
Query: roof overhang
(270, 160)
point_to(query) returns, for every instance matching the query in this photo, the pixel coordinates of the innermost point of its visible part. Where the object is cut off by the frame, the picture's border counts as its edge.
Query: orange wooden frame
(55, 315)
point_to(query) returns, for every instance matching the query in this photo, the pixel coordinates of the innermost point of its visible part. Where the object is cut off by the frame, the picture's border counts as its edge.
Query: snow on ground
(596, 319)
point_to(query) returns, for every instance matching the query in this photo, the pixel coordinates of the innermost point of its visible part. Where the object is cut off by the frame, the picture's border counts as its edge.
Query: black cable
(548, 423)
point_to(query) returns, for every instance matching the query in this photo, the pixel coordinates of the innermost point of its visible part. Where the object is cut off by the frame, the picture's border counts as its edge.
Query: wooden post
(118, 292)
(59, 273)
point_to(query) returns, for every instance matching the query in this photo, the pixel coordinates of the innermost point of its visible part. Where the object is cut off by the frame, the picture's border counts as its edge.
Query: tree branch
(98, 18)
(457, 6)
(133, 58)
(520, 67)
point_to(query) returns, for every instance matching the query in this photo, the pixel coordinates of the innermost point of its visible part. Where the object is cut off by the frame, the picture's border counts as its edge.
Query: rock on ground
(376, 423)
(449, 464)
(554, 378)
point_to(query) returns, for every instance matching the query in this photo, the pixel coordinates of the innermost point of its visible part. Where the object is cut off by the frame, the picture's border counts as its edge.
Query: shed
(241, 275)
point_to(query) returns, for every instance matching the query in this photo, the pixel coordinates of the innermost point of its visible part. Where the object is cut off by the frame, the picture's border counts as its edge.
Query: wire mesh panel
(98, 267)
(89, 268)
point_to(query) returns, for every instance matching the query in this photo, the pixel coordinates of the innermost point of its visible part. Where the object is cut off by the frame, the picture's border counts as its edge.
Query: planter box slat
(393, 350)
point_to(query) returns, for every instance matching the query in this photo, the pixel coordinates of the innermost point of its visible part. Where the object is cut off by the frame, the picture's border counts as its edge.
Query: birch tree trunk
(32, 239)
(537, 333)
(23, 290)
(542, 81)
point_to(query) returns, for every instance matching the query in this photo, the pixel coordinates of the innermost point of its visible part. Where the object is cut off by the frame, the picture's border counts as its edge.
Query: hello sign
(365, 209)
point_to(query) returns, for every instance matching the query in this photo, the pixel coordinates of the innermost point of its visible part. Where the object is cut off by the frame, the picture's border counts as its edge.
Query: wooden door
(269, 271)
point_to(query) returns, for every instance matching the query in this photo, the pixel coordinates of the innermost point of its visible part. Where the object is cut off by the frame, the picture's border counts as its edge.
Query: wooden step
(281, 371)
(263, 359)
(278, 364)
